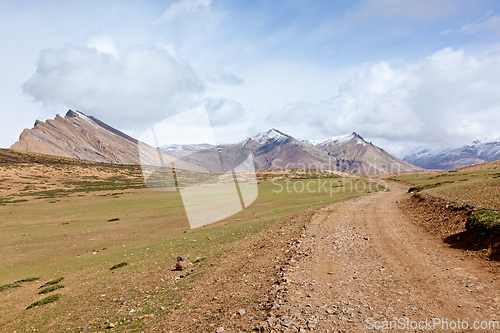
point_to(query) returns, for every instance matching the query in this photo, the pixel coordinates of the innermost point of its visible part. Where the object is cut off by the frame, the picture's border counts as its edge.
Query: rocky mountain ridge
(277, 150)
(84, 137)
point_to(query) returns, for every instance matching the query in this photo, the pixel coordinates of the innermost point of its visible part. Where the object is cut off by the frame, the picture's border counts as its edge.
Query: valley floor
(360, 265)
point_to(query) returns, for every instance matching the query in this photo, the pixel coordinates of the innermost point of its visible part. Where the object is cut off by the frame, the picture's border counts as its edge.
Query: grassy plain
(98, 216)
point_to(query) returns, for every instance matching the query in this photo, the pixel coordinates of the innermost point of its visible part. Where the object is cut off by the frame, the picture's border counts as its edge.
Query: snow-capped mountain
(480, 151)
(273, 136)
(274, 149)
(85, 137)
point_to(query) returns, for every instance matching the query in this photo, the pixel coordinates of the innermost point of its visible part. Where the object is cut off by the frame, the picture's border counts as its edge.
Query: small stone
(242, 311)
(111, 325)
(220, 329)
(181, 264)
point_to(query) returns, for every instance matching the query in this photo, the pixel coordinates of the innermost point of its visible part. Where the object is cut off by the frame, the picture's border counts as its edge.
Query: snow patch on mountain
(341, 139)
(271, 136)
(311, 142)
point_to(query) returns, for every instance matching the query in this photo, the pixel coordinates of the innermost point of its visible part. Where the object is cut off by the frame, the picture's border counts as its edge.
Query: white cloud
(182, 7)
(103, 43)
(448, 99)
(487, 23)
(136, 85)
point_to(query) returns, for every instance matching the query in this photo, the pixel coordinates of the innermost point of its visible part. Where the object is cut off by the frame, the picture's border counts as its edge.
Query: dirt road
(363, 263)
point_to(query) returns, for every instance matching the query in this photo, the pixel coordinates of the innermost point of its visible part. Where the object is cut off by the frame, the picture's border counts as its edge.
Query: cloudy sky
(401, 73)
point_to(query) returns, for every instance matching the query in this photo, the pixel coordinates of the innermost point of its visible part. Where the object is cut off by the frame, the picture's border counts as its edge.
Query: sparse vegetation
(484, 221)
(151, 228)
(46, 300)
(419, 188)
(476, 186)
(51, 282)
(124, 263)
(16, 284)
(50, 289)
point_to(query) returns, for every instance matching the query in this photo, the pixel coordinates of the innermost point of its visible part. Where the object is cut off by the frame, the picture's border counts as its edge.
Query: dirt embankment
(437, 217)
(448, 221)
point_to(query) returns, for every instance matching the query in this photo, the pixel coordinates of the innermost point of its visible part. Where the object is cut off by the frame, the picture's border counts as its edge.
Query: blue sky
(403, 74)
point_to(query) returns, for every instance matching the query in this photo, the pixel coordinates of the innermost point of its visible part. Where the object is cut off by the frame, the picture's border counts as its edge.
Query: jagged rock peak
(76, 114)
(71, 114)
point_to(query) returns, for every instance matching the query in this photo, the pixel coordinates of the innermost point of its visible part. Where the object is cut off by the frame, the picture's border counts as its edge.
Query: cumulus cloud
(446, 100)
(184, 7)
(135, 84)
(103, 43)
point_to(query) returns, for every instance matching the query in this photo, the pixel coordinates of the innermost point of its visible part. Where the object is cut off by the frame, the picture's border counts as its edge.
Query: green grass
(16, 284)
(484, 221)
(479, 188)
(50, 289)
(124, 263)
(46, 300)
(422, 187)
(52, 282)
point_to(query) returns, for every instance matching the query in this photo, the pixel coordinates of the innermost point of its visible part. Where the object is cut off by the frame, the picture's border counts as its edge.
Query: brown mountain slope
(353, 152)
(86, 138)
(349, 153)
(78, 136)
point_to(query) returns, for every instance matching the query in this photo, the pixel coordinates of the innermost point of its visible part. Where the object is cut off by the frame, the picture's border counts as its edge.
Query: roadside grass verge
(476, 187)
(484, 221)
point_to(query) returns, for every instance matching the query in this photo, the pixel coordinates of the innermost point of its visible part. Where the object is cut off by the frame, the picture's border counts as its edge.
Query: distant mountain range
(87, 138)
(276, 150)
(480, 151)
